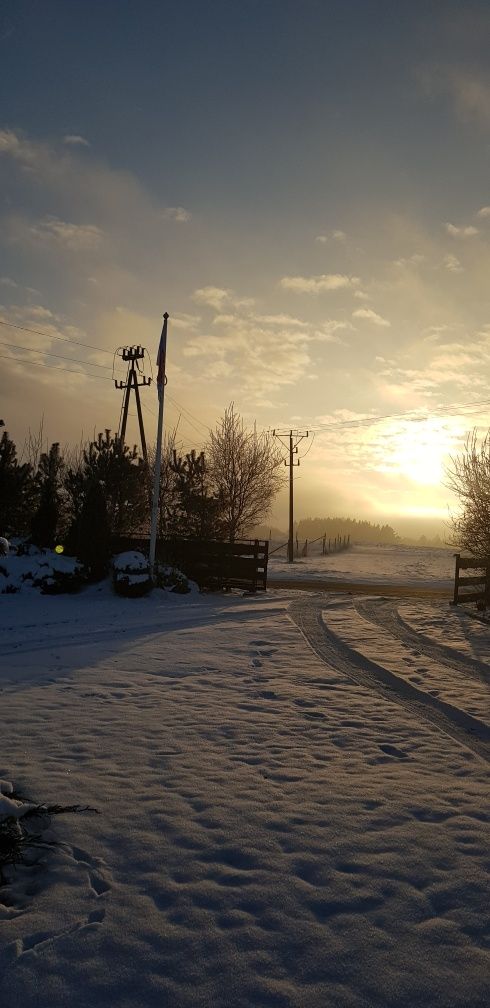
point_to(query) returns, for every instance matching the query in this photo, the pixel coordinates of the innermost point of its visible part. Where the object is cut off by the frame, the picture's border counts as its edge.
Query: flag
(161, 355)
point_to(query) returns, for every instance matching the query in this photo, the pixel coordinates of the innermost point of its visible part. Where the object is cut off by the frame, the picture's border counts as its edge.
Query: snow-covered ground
(372, 564)
(292, 792)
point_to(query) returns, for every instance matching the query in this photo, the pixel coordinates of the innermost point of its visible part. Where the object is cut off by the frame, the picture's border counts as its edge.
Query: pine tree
(47, 521)
(93, 534)
(121, 476)
(197, 512)
(16, 490)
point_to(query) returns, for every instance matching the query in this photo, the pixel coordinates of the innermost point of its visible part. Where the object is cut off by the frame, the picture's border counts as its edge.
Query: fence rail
(471, 563)
(211, 564)
(301, 547)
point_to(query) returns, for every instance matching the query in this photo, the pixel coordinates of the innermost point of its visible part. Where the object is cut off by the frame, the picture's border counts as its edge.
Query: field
(292, 792)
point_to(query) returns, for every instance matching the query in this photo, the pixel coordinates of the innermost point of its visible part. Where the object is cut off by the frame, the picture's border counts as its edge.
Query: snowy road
(283, 822)
(354, 645)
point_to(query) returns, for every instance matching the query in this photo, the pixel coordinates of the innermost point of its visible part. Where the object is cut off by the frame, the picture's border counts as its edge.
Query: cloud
(281, 320)
(452, 263)
(181, 320)
(484, 212)
(335, 235)
(224, 319)
(8, 282)
(177, 213)
(461, 232)
(317, 284)
(469, 92)
(370, 316)
(75, 140)
(213, 297)
(74, 237)
(15, 145)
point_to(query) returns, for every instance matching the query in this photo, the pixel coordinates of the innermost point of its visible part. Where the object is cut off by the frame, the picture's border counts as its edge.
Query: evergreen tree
(197, 512)
(47, 521)
(93, 533)
(16, 490)
(121, 476)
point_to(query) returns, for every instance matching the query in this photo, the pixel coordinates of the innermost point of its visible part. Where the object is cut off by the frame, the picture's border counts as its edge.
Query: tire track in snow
(383, 612)
(462, 727)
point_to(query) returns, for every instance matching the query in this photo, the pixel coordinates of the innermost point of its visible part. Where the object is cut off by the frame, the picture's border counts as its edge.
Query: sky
(301, 185)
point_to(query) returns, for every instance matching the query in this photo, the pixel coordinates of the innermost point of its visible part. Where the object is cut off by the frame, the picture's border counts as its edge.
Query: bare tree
(246, 469)
(468, 476)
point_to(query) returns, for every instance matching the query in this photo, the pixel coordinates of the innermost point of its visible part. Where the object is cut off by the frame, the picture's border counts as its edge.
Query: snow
(22, 571)
(130, 560)
(371, 564)
(292, 802)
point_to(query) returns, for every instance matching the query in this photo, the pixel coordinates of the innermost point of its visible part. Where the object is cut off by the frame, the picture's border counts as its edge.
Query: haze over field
(302, 186)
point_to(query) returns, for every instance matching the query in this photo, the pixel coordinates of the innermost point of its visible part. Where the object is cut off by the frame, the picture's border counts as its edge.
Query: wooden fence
(213, 565)
(482, 580)
(301, 549)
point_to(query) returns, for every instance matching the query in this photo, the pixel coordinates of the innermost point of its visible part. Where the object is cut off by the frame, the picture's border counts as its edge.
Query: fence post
(256, 560)
(323, 544)
(456, 579)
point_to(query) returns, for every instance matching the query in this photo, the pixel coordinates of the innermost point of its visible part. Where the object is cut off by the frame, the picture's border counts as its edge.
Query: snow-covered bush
(49, 572)
(172, 580)
(131, 574)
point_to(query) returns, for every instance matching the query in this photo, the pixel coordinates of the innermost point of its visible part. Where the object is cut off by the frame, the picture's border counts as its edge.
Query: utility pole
(294, 438)
(131, 355)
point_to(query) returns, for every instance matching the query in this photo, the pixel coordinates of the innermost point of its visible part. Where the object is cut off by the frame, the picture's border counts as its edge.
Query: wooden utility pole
(294, 438)
(131, 355)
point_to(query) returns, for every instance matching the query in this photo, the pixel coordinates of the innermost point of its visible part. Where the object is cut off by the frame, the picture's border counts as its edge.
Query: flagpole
(161, 381)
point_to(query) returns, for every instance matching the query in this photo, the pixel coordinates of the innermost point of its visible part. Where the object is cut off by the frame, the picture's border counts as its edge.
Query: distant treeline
(359, 531)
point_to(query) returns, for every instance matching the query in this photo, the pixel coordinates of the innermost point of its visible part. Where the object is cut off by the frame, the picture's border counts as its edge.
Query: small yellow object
(59, 549)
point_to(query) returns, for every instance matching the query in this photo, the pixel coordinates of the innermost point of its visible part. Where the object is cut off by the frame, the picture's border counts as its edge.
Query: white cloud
(281, 320)
(452, 263)
(181, 320)
(11, 143)
(7, 282)
(224, 319)
(469, 92)
(74, 237)
(370, 316)
(75, 140)
(484, 212)
(177, 213)
(461, 232)
(335, 235)
(317, 284)
(361, 295)
(214, 297)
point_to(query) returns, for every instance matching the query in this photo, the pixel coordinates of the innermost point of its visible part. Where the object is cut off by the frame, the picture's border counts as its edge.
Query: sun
(419, 451)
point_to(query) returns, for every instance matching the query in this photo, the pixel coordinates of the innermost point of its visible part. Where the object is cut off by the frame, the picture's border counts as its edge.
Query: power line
(19, 360)
(64, 339)
(16, 346)
(449, 410)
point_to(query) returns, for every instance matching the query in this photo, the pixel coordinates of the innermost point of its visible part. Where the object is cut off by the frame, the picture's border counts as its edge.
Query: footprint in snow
(392, 750)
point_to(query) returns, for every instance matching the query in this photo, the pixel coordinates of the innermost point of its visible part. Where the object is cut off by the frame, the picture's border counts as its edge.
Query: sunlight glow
(420, 451)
